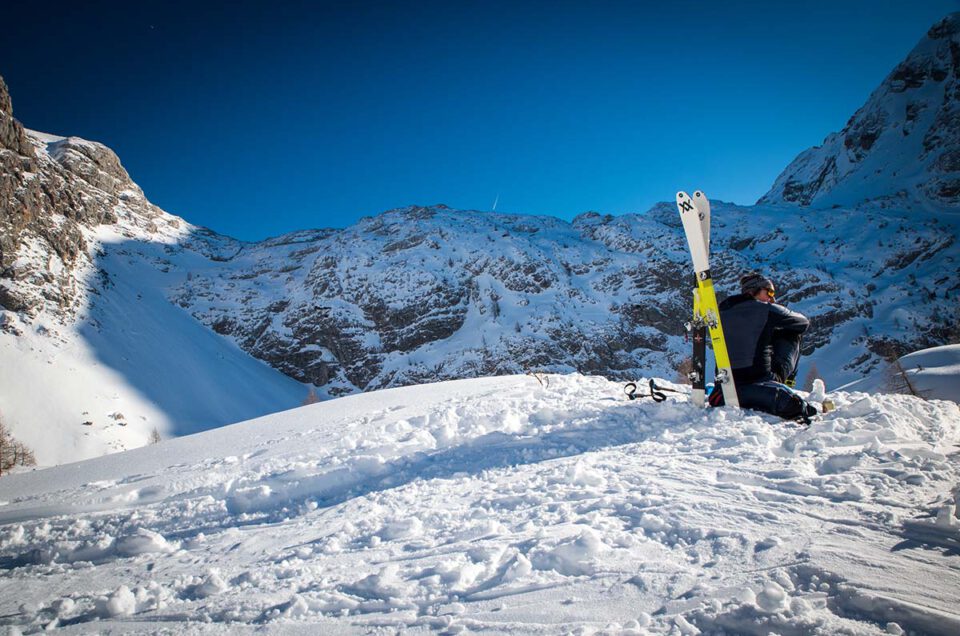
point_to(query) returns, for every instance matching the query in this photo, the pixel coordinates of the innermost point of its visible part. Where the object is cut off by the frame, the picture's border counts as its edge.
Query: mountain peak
(901, 148)
(56, 193)
(945, 28)
(12, 136)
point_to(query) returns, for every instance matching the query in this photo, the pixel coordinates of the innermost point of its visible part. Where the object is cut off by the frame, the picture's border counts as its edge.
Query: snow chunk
(767, 544)
(211, 586)
(143, 541)
(401, 529)
(249, 499)
(121, 602)
(574, 557)
(519, 568)
(13, 537)
(386, 584)
(862, 407)
(838, 463)
(582, 474)
(297, 607)
(946, 517)
(772, 598)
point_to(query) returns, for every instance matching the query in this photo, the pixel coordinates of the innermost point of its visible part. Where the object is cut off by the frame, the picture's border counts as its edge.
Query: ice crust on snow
(500, 504)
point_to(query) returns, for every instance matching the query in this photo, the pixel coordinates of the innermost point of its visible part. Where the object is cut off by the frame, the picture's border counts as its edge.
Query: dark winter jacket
(749, 328)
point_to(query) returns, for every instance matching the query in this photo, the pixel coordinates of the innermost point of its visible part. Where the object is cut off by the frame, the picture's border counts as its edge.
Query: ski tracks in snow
(501, 505)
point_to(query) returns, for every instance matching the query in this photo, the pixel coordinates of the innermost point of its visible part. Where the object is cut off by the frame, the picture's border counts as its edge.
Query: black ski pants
(786, 357)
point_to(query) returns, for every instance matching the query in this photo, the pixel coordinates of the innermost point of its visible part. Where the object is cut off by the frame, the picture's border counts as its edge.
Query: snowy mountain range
(118, 319)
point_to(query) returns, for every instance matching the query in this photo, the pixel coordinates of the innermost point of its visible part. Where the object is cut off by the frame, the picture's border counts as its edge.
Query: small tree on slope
(12, 452)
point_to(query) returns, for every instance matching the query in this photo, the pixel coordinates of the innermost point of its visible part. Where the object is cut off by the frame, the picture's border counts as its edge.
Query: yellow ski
(706, 298)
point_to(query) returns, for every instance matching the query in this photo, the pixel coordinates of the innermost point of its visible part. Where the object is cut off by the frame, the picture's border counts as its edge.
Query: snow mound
(935, 372)
(502, 505)
(930, 373)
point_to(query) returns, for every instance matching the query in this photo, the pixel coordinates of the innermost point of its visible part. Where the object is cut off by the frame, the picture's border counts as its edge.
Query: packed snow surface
(519, 505)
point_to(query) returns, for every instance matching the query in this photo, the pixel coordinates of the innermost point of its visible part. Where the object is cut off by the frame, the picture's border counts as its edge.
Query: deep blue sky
(258, 118)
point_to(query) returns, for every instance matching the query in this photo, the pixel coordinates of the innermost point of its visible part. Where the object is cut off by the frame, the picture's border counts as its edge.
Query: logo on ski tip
(685, 205)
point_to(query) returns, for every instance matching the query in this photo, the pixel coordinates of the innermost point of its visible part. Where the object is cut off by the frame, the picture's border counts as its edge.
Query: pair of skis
(695, 215)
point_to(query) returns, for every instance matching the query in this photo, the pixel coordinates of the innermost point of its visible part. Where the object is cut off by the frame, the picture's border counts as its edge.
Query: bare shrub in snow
(897, 380)
(684, 369)
(12, 452)
(312, 397)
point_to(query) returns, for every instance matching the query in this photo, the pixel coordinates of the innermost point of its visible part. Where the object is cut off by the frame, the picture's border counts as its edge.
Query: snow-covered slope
(502, 505)
(931, 373)
(93, 356)
(901, 149)
(934, 373)
(131, 367)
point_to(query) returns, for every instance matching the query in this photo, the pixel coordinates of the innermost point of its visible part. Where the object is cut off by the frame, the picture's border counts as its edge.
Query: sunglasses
(770, 292)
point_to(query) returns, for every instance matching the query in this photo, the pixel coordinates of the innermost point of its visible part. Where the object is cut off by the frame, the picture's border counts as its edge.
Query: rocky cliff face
(421, 294)
(54, 193)
(424, 294)
(901, 149)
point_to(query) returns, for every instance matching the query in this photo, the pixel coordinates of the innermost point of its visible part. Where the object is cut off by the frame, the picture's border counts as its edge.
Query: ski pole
(656, 392)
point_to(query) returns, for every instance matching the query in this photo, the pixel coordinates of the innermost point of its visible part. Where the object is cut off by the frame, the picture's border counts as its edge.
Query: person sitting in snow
(763, 342)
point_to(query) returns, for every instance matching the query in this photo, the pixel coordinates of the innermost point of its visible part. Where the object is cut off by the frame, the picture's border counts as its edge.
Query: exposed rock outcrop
(54, 191)
(900, 149)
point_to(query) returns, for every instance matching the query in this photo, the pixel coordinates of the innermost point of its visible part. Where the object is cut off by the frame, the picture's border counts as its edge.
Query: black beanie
(753, 282)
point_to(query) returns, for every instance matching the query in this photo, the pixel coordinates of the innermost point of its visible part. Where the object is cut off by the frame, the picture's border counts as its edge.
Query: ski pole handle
(631, 390)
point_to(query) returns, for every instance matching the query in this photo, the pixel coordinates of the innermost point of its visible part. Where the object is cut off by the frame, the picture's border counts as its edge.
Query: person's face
(765, 295)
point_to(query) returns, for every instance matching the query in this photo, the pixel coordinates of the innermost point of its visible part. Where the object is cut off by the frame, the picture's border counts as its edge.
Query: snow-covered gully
(499, 505)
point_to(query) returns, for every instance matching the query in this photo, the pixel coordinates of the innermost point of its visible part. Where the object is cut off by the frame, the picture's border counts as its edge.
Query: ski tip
(699, 195)
(682, 195)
